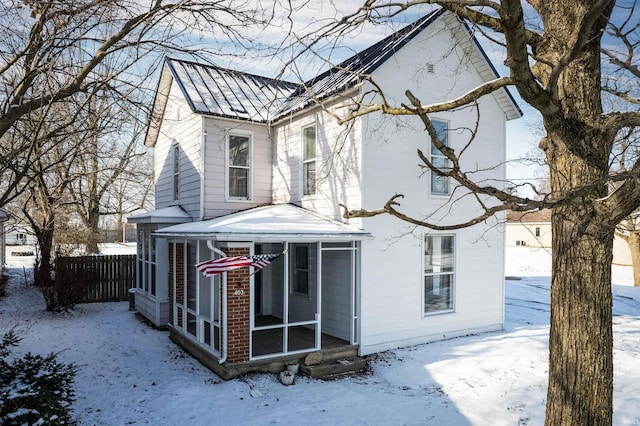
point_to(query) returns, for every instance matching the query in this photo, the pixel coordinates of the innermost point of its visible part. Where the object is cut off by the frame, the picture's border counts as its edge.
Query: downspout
(223, 320)
(203, 140)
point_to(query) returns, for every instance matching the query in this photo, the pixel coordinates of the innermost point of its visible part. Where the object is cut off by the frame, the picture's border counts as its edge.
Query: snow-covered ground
(133, 374)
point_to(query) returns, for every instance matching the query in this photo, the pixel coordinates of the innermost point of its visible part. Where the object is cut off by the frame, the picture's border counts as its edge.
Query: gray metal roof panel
(222, 92)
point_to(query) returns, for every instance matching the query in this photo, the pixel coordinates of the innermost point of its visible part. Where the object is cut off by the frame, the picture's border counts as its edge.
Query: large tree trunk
(43, 269)
(577, 151)
(93, 229)
(581, 338)
(634, 247)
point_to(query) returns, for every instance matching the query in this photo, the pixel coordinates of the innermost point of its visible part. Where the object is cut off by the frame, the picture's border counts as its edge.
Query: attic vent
(430, 69)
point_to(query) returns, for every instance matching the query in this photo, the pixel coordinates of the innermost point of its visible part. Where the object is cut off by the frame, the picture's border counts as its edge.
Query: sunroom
(305, 300)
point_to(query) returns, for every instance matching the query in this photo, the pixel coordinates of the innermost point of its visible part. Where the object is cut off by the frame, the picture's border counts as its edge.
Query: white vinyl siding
(337, 164)
(186, 130)
(392, 273)
(217, 200)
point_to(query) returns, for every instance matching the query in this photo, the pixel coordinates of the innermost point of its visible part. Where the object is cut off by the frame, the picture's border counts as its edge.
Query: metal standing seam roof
(222, 92)
(218, 91)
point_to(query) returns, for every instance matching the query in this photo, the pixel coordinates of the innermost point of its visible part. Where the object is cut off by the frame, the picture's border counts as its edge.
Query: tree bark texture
(577, 149)
(633, 241)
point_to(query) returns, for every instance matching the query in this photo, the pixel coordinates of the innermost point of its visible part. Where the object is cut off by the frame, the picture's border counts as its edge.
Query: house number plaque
(238, 292)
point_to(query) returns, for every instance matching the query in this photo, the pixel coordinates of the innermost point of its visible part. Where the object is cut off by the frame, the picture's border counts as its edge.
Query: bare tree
(51, 50)
(553, 53)
(110, 148)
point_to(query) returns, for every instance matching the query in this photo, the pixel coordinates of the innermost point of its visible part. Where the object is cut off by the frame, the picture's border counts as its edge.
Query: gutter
(223, 309)
(203, 140)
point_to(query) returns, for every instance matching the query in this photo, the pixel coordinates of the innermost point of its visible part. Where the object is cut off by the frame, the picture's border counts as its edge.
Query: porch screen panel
(337, 267)
(302, 337)
(303, 282)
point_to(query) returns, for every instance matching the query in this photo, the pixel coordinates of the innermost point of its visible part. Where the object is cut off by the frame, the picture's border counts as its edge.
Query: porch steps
(332, 363)
(333, 369)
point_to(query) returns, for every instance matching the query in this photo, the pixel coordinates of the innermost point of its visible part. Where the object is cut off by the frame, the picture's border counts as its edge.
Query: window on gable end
(309, 160)
(440, 184)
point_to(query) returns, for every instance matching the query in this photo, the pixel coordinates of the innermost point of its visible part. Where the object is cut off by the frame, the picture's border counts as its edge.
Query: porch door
(285, 316)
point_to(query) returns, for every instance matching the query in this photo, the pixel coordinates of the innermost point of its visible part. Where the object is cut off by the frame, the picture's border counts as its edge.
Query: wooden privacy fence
(96, 278)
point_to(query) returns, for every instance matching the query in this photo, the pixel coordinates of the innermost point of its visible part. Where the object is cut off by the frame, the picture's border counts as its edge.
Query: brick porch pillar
(178, 249)
(238, 308)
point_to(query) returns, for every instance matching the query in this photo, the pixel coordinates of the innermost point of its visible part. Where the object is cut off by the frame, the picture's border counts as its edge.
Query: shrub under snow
(34, 389)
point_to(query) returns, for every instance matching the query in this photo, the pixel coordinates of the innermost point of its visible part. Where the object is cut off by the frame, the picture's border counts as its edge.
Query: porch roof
(269, 223)
(173, 214)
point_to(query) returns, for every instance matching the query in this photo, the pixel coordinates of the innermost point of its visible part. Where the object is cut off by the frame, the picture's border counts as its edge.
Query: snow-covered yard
(133, 374)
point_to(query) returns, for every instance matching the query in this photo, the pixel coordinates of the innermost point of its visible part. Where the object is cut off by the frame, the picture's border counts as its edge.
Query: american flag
(224, 264)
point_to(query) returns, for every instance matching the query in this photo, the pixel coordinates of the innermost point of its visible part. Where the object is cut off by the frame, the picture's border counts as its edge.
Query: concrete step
(347, 351)
(335, 368)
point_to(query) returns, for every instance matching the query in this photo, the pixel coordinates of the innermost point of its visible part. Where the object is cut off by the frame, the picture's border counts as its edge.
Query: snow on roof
(173, 214)
(277, 222)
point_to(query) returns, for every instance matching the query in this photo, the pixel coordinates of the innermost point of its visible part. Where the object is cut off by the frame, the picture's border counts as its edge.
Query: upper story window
(440, 184)
(176, 172)
(309, 160)
(438, 273)
(239, 148)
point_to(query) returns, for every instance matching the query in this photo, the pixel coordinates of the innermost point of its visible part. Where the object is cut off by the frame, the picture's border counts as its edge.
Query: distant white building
(247, 165)
(19, 235)
(533, 229)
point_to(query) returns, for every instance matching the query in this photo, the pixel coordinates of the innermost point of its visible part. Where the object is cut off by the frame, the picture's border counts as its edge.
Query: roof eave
(266, 236)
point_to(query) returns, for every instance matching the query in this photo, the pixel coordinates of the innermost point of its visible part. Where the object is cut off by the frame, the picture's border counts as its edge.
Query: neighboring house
(247, 164)
(4, 216)
(19, 235)
(533, 229)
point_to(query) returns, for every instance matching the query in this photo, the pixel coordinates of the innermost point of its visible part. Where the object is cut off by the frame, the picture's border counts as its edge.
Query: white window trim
(147, 265)
(249, 198)
(454, 285)
(440, 194)
(293, 269)
(175, 183)
(313, 124)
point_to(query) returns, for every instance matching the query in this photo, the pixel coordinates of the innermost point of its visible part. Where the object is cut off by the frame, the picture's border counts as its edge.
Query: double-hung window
(176, 172)
(146, 257)
(239, 166)
(438, 273)
(309, 160)
(440, 184)
(300, 269)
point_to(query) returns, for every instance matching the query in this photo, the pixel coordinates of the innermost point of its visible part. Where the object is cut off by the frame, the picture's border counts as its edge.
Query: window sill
(443, 312)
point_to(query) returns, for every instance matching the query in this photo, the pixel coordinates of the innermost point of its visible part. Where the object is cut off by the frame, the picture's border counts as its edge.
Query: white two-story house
(246, 165)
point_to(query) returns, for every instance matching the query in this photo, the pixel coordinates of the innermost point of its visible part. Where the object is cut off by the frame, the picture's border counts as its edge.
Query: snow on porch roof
(270, 223)
(173, 214)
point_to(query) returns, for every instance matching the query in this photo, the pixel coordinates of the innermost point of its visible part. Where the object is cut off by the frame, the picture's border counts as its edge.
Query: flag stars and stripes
(224, 264)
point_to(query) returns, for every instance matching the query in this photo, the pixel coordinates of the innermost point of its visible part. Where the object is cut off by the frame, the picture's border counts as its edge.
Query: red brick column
(178, 248)
(239, 312)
